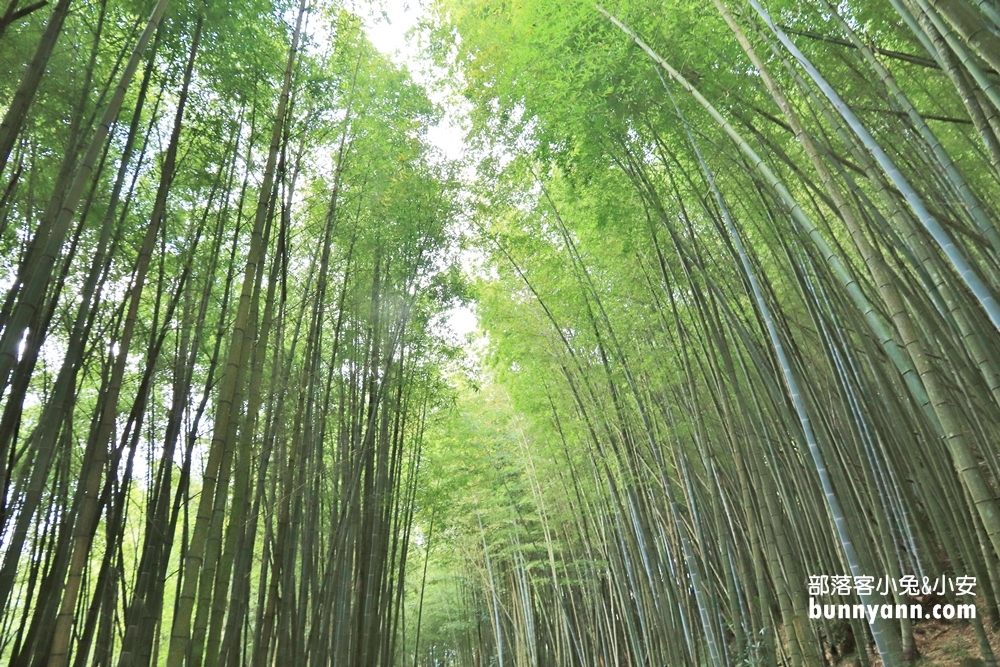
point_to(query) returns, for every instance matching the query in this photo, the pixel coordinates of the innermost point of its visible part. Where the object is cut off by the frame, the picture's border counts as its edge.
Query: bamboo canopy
(731, 396)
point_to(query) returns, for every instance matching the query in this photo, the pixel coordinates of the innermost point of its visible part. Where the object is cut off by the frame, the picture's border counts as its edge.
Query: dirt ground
(944, 644)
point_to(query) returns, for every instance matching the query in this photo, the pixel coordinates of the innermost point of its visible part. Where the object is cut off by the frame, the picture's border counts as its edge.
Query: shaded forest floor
(942, 644)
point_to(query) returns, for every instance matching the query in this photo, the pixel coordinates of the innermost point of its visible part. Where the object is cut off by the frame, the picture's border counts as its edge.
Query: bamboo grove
(737, 271)
(224, 247)
(740, 286)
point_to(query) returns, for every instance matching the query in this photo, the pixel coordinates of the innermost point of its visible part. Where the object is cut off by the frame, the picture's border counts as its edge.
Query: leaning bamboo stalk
(194, 560)
(973, 205)
(972, 28)
(17, 112)
(97, 449)
(794, 393)
(965, 270)
(32, 292)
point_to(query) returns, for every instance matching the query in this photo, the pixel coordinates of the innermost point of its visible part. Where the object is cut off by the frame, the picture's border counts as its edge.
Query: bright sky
(387, 23)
